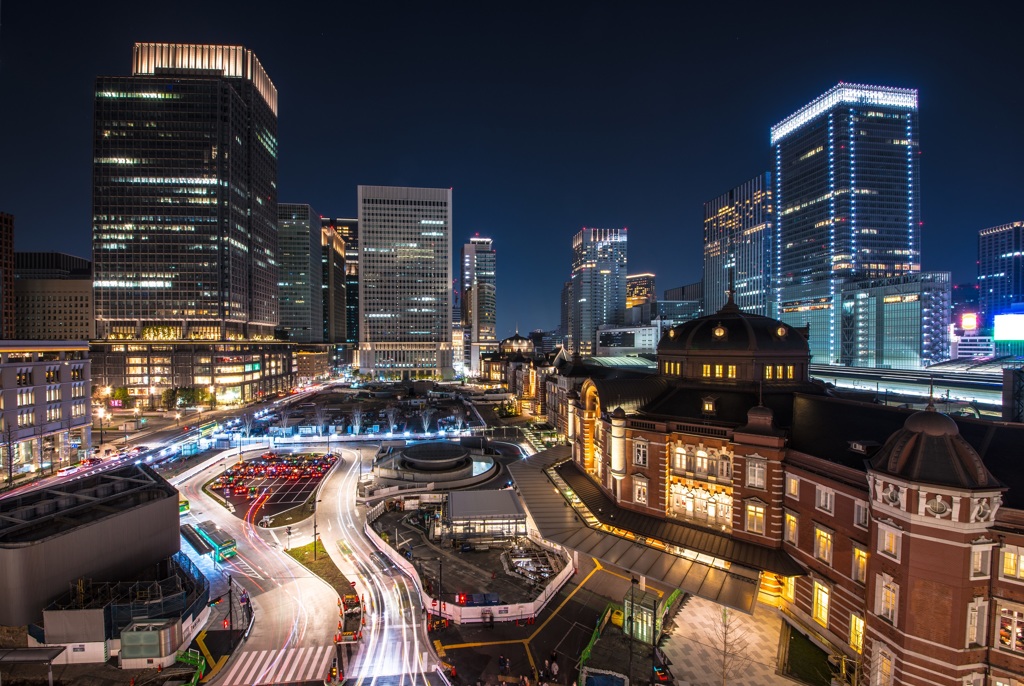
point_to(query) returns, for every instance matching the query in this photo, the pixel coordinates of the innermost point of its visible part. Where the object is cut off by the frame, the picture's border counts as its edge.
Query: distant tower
(301, 273)
(405, 282)
(7, 275)
(1000, 270)
(738, 234)
(640, 289)
(847, 203)
(332, 284)
(348, 231)
(598, 285)
(479, 301)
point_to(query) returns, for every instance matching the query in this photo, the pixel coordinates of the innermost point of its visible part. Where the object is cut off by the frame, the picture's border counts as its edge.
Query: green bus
(183, 506)
(223, 546)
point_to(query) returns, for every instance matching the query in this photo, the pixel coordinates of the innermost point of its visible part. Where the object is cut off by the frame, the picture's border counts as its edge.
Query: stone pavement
(695, 646)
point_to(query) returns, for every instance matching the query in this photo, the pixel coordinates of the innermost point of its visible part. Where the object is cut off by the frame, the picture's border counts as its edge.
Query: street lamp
(314, 529)
(102, 414)
(177, 419)
(632, 612)
(213, 397)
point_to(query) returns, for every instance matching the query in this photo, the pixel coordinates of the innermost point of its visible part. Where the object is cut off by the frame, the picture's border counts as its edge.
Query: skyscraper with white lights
(405, 277)
(598, 286)
(479, 301)
(847, 203)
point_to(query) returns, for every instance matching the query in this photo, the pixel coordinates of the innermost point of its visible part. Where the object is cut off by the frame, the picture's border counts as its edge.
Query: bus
(223, 546)
(207, 429)
(70, 469)
(183, 506)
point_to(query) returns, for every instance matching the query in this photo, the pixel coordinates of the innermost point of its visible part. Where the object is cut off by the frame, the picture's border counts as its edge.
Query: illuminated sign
(969, 321)
(1009, 327)
(912, 298)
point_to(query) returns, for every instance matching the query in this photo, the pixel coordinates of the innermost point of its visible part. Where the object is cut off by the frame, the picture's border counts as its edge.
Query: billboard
(969, 321)
(1009, 327)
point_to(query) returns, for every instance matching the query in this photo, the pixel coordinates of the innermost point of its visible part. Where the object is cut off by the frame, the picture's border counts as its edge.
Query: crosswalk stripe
(239, 665)
(290, 673)
(250, 675)
(318, 668)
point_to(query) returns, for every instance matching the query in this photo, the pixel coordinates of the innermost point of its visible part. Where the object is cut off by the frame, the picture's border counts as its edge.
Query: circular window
(719, 331)
(937, 506)
(781, 332)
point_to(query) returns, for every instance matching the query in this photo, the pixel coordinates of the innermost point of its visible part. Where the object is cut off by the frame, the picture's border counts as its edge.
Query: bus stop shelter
(31, 656)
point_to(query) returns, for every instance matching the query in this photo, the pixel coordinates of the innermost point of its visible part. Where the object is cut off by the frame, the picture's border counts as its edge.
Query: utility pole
(231, 615)
(632, 612)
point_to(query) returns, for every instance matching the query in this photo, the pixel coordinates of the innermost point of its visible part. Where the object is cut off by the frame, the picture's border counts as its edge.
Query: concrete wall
(115, 548)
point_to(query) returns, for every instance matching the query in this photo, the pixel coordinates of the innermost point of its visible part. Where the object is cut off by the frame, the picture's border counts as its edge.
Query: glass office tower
(405, 278)
(846, 203)
(299, 254)
(738, 234)
(598, 290)
(1000, 270)
(185, 196)
(479, 302)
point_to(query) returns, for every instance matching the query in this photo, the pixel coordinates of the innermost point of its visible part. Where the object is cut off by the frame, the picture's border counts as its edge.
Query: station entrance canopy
(569, 509)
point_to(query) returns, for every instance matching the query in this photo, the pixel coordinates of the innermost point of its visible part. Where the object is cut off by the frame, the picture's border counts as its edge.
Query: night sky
(543, 119)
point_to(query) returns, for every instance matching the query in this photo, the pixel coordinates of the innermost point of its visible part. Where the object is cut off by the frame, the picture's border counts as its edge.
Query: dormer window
(719, 332)
(781, 331)
(708, 405)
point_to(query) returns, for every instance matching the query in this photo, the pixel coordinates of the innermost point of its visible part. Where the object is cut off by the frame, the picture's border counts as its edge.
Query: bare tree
(320, 417)
(426, 414)
(459, 417)
(247, 421)
(730, 641)
(286, 416)
(8, 437)
(391, 412)
(357, 418)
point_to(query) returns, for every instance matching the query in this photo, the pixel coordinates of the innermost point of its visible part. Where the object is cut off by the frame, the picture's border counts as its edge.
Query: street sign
(433, 602)
(352, 584)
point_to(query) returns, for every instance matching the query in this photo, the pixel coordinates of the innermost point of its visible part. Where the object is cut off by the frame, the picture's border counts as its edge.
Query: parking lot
(281, 481)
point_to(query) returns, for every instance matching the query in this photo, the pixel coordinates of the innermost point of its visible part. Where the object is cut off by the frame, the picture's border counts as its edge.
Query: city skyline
(627, 136)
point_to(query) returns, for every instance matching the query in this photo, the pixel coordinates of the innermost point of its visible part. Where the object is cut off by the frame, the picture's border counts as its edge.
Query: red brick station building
(894, 537)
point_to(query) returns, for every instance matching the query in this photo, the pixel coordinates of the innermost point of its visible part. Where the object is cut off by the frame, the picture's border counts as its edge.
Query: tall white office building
(598, 286)
(405, 262)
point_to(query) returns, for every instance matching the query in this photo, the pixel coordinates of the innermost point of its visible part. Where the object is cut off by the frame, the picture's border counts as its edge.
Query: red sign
(352, 584)
(434, 602)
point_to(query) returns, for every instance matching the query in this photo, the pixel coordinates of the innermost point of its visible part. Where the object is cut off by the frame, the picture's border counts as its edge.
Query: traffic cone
(364, 621)
(339, 625)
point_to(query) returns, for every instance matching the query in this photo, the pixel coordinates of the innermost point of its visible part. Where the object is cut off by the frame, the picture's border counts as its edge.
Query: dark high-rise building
(640, 289)
(332, 279)
(185, 196)
(53, 296)
(964, 300)
(479, 302)
(348, 230)
(691, 292)
(598, 285)
(1000, 270)
(6, 275)
(847, 203)
(738, 233)
(301, 267)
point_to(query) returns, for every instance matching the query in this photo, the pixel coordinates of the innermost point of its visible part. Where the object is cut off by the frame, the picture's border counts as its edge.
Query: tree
(391, 412)
(169, 398)
(459, 417)
(320, 417)
(286, 416)
(357, 418)
(247, 422)
(426, 414)
(120, 393)
(729, 639)
(8, 437)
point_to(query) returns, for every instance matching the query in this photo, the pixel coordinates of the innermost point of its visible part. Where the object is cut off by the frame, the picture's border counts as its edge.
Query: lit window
(731, 371)
(789, 588)
(789, 529)
(823, 544)
(702, 462)
(708, 405)
(857, 633)
(1013, 564)
(883, 669)
(640, 453)
(821, 598)
(789, 372)
(887, 598)
(768, 371)
(980, 557)
(860, 564)
(718, 371)
(793, 486)
(755, 518)
(977, 614)
(889, 542)
(706, 370)
(640, 490)
(756, 468)
(1011, 628)
(824, 498)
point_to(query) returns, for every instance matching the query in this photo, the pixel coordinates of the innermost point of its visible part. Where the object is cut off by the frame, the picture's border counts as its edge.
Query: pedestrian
(554, 672)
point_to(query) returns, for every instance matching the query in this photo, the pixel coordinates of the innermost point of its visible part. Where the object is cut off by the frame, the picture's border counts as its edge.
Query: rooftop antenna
(931, 393)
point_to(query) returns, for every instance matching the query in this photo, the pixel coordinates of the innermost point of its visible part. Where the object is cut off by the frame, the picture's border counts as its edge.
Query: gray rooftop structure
(478, 505)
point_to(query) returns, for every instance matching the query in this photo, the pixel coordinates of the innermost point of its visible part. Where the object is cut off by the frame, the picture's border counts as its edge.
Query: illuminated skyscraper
(299, 253)
(185, 196)
(332, 280)
(479, 301)
(405, 282)
(847, 203)
(348, 231)
(6, 275)
(738, 233)
(1000, 270)
(598, 291)
(640, 289)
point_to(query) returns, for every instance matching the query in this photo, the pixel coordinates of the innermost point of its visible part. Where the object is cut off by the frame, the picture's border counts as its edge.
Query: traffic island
(350, 613)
